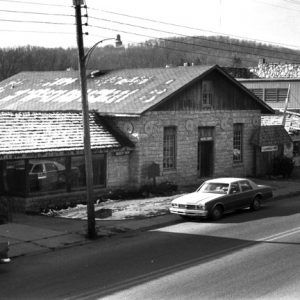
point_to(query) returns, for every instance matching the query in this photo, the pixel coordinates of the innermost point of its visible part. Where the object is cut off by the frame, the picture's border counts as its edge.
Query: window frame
(207, 94)
(276, 94)
(169, 148)
(238, 137)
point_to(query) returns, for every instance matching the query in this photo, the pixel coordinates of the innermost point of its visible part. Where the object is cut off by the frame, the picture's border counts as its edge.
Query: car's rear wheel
(216, 213)
(255, 205)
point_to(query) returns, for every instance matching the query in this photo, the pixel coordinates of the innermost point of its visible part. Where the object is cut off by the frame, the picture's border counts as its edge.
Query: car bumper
(4, 260)
(188, 212)
(4, 253)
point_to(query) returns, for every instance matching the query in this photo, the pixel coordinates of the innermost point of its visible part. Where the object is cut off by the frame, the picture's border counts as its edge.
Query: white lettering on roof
(150, 99)
(169, 81)
(15, 95)
(109, 95)
(60, 81)
(119, 80)
(158, 92)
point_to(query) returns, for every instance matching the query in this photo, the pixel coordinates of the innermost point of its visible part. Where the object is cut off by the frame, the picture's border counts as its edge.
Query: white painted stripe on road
(280, 235)
(105, 291)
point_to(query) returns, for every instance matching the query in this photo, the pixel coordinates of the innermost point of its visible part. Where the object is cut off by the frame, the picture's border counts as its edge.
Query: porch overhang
(270, 136)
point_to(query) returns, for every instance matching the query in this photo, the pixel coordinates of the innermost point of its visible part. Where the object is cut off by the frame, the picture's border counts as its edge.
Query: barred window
(237, 142)
(169, 148)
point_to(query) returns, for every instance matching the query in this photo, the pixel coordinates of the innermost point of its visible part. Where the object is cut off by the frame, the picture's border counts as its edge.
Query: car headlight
(174, 205)
(201, 207)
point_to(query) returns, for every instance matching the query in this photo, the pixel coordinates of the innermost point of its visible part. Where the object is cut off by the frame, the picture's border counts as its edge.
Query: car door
(231, 201)
(247, 193)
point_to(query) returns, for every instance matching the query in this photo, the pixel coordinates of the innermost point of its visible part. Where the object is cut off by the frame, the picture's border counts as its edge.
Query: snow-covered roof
(35, 132)
(118, 92)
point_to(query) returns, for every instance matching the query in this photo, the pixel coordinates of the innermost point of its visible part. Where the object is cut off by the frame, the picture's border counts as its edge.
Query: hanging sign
(269, 148)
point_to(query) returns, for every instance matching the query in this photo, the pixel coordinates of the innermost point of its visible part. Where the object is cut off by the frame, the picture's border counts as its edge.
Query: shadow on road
(269, 210)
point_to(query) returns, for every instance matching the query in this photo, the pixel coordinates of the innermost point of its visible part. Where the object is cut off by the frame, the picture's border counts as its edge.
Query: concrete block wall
(118, 170)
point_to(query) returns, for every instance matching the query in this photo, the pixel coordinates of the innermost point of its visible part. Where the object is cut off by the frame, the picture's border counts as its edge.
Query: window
(169, 148)
(245, 186)
(237, 143)
(275, 94)
(234, 188)
(258, 93)
(207, 96)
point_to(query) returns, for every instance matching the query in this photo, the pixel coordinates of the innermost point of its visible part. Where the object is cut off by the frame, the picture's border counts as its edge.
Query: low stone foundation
(36, 204)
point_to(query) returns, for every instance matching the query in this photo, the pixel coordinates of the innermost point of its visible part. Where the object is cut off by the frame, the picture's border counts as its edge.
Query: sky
(52, 23)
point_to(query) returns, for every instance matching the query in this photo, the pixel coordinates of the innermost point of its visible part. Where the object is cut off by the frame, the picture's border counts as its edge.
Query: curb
(115, 233)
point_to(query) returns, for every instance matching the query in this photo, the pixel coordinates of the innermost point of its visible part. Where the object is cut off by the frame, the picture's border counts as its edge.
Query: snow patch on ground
(121, 210)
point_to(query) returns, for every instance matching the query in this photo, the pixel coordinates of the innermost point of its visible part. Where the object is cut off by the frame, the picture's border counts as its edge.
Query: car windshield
(214, 187)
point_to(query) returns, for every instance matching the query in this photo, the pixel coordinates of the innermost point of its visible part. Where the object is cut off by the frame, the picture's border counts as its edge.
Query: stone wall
(147, 133)
(38, 203)
(276, 70)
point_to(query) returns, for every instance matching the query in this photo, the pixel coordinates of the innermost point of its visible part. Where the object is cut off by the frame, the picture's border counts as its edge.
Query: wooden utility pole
(286, 106)
(86, 124)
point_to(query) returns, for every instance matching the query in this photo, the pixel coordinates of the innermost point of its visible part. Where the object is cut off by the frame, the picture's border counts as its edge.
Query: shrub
(164, 188)
(283, 165)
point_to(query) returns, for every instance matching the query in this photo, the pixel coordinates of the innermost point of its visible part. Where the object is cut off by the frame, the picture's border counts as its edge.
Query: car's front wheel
(216, 213)
(255, 205)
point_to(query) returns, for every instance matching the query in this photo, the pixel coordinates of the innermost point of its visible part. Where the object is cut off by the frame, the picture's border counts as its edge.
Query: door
(205, 151)
(205, 158)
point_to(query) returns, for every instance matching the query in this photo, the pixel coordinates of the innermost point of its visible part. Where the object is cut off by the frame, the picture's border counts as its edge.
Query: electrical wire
(36, 31)
(35, 13)
(276, 5)
(192, 28)
(36, 22)
(196, 38)
(168, 40)
(35, 3)
(190, 44)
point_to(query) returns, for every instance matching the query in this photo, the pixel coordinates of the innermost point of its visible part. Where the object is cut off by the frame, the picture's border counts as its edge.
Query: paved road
(243, 256)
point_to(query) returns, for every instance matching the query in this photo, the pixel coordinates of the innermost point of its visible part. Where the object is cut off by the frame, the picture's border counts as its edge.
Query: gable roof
(33, 132)
(124, 92)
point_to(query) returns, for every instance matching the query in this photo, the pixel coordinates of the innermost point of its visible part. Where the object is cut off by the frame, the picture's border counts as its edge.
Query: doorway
(206, 152)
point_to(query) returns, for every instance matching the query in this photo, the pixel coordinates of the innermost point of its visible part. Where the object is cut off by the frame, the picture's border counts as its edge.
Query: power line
(276, 5)
(167, 40)
(36, 13)
(196, 38)
(35, 3)
(36, 31)
(35, 22)
(189, 27)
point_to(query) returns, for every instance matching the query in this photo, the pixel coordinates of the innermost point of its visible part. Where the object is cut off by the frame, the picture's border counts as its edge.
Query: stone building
(181, 124)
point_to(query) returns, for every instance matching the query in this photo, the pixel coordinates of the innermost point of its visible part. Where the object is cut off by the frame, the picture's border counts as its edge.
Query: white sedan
(218, 196)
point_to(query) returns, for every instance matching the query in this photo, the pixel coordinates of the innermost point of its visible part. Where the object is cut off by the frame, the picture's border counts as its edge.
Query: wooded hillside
(153, 53)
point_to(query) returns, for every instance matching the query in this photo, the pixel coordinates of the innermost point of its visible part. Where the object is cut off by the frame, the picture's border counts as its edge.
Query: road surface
(245, 255)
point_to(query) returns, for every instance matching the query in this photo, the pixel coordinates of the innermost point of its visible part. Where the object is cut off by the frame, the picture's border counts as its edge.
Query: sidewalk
(31, 234)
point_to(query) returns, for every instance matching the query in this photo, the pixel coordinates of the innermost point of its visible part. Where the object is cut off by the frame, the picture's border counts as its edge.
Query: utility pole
(86, 124)
(286, 106)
